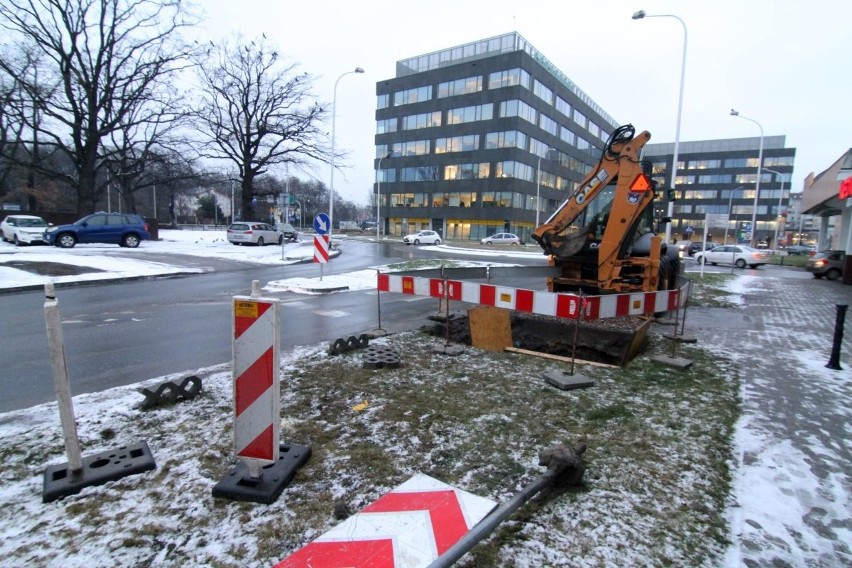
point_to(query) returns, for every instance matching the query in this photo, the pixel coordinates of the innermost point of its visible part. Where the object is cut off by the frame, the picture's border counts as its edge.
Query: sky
(782, 63)
(774, 491)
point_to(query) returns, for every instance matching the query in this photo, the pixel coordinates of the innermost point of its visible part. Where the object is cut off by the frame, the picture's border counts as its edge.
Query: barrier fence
(536, 302)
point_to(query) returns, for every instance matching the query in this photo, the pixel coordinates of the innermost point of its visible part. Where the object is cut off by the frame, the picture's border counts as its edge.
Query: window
(580, 118)
(410, 96)
(515, 170)
(548, 124)
(467, 171)
(517, 108)
(769, 161)
(386, 125)
(425, 120)
(411, 148)
(457, 144)
(382, 101)
(421, 173)
(567, 136)
(459, 87)
(715, 178)
(496, 198)
(594, 129)
(563, 106)
(509, 78)
(508, 139)
(470, 114)
(542, 92)
(703, 164)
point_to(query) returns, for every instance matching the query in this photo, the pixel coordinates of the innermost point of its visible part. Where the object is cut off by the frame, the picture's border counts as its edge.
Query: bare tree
(257, 112)
(104, 61)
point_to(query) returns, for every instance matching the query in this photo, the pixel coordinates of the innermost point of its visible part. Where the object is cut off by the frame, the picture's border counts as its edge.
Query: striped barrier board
(256, 376)
(409, 527)
(321, 243)
(533, 301)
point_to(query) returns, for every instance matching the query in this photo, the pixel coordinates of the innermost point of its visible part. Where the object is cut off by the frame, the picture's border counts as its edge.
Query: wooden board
(558, 357)
(490, 328)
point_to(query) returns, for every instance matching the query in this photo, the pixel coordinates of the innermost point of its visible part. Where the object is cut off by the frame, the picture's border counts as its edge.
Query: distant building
(822, 197)
(720, 177)
(482, 138)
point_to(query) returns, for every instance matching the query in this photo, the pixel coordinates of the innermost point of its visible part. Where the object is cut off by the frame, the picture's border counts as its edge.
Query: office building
(481, 138)
(719, 177)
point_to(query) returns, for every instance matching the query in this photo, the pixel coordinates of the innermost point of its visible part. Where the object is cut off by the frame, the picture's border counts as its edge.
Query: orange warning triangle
(641, 183)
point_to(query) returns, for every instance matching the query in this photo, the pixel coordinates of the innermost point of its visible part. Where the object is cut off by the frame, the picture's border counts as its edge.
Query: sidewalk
(791, 491)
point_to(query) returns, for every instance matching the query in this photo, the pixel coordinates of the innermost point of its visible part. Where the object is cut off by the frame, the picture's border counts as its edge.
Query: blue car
(123, 229)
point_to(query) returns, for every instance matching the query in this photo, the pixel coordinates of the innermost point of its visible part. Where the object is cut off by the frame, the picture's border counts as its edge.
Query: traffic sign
(410, 526)
(322, 224)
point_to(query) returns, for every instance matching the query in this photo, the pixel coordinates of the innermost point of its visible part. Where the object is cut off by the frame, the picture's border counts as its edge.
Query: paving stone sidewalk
(792, 487)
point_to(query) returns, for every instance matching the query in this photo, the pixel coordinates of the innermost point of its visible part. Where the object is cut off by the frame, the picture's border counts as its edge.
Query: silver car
(254, 233)
(738, 255)
(422, 238)
(501, 239)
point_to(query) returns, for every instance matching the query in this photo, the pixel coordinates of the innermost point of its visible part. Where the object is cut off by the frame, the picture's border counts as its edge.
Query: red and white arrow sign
(408, 527)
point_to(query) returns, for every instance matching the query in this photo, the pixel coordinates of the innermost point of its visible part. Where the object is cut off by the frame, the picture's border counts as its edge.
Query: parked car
(123, 229)
(799, 250)
(423, 237)
(288, 231)
(502, 239)
(254, 233)
(23, 229)
(827, 263)
(699, 246)
(738, 255)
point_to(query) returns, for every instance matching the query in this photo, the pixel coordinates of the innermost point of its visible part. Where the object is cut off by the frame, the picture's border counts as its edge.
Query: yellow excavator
(602, 236)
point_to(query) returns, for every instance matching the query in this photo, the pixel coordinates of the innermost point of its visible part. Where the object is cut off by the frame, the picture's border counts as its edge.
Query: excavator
(602, 236)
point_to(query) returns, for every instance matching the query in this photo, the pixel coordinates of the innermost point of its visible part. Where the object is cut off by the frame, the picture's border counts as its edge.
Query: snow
(770, 468)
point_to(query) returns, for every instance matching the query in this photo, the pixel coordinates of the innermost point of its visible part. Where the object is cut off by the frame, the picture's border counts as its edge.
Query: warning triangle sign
(641, 183)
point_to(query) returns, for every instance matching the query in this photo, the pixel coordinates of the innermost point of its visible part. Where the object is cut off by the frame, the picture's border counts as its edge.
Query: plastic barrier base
(238, 485)
(60, 481)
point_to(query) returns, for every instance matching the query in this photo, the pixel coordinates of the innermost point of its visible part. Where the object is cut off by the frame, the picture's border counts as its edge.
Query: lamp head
(389, 154)
(359, 69)
(639, 15)
(734, 113)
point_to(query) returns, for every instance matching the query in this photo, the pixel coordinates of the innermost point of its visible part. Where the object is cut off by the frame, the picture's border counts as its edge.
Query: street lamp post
(638, 16)
(333, 117)
(730, 204)
(379, 193)
(753, 239)
(780, 199)
(537, 190)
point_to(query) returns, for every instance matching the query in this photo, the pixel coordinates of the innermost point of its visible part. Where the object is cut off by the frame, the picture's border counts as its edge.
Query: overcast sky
(783, 63)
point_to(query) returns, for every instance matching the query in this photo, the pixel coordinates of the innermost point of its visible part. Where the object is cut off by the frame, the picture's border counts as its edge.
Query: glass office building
(481, 138)
(720, 177)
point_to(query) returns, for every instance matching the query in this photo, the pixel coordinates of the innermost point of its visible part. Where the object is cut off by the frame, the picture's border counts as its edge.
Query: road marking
(332, 313)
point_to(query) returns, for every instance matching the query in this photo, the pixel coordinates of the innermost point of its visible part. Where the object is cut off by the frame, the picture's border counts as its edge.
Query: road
(122, 333)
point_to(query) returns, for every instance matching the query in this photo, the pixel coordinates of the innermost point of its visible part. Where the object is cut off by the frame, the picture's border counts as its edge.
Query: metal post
(333, 121)
(780, 199)
(753, 240)
(834, 361)
(379, 194)
(379, 299)
(577, 330)
(60, 378)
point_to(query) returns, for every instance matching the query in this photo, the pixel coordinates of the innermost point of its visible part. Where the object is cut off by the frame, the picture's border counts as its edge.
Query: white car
(738, 255)
(502, 239)
(254, 233)
(423, 238)
(23, 229)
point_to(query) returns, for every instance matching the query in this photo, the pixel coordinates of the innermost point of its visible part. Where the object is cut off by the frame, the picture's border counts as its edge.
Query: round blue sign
(322, 224)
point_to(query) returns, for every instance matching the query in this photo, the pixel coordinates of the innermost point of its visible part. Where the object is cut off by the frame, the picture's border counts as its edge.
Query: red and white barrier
(321, 245)
(257, 376)
(532, 301)
(410, 526)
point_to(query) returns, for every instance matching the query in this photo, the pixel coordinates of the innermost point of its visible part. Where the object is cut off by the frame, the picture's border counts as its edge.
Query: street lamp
(730, 203)
(638, 16)
(333, 116)
(379, 193)
(753, 239)
(780, 198)
(538, 185)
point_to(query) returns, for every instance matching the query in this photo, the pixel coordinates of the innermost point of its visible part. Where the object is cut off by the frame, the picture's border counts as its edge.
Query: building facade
(719, 178)
(481, 138)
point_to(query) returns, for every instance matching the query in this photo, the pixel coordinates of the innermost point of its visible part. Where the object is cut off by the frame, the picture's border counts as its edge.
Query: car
(699, 246)
(23, 229)
(502, 239)
(288, 231)
(423, 237)
(799, 250)
(123, 229)
(828, 264)
(738, 255)
(254, 233)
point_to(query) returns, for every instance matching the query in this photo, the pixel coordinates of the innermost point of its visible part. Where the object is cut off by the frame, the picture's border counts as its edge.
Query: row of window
(482, 200)
(482, 170)
(728, 178)
(496, 80)
(744, 211)
(768, 162)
